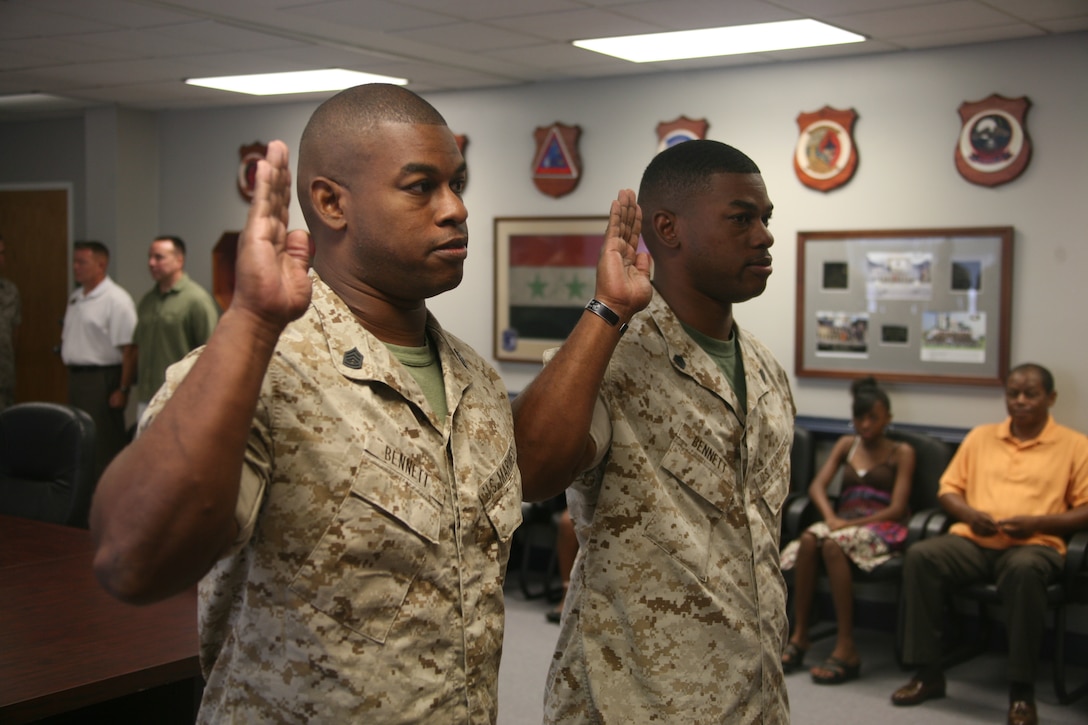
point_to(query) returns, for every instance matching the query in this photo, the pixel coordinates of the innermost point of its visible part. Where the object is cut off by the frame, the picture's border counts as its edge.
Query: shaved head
(337, 125)
(682, 173)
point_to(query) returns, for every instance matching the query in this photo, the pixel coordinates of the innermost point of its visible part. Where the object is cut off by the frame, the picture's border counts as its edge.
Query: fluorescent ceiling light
(37, 102)
(307, 81)
(708, 42)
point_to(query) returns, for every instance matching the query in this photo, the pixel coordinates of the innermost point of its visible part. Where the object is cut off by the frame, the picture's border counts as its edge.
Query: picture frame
(905, 305)
(545, 273)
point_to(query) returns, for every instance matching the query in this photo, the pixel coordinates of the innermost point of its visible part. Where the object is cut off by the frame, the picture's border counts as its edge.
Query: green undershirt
(726, 354)
(423, 364)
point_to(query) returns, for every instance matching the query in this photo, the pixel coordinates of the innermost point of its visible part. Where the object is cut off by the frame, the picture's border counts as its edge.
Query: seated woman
(866, 528)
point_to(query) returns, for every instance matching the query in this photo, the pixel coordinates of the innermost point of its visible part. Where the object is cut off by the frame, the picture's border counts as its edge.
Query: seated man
(1016, 489)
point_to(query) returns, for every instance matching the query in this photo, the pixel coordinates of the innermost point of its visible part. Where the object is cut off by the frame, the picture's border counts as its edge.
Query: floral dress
(863, 493)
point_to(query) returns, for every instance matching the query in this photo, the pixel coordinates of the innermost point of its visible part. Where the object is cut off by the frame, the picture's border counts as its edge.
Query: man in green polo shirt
(174, 317)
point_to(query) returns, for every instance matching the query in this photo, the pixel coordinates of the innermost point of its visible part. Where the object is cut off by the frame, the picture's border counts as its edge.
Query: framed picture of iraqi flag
(545, 272)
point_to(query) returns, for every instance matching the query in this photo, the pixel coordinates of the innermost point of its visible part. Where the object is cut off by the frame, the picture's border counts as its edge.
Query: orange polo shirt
(1005, 477)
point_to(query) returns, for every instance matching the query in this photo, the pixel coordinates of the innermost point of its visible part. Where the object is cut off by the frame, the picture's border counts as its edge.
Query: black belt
(91, 368)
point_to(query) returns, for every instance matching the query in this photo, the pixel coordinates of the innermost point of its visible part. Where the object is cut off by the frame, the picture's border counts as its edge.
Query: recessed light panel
(309, 81)
(709, 42)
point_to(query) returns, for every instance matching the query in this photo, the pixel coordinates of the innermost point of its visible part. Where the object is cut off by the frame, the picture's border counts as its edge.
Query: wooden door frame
(68, 189)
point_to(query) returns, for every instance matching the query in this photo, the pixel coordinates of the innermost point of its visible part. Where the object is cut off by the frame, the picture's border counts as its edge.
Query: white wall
(907, 128)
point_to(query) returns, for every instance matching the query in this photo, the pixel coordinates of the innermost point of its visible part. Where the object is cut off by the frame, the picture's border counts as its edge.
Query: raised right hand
(623, 273)
(271, 281)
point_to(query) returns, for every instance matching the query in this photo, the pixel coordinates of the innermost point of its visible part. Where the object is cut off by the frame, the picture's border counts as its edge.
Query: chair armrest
(1076, 556)
(939, 522)
(916, 526)
(798, 514)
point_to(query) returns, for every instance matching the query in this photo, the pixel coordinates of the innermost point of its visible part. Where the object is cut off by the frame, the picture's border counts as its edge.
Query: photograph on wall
(899, 275)
(966, 275)
(957, 337)
(836, 276)
(842, 334)
(892, 334)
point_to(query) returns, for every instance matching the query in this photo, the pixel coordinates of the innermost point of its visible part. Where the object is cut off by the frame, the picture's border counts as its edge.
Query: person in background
(336, 470)
(679, 435)
(1016, 489)
(865, 528)
(98, 326)
(566, 549)
(10, 317)
(175, 316)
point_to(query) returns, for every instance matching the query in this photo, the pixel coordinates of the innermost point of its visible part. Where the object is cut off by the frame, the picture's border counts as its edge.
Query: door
(34, 224)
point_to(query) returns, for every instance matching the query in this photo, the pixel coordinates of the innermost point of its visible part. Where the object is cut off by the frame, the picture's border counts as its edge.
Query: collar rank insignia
(353, 359)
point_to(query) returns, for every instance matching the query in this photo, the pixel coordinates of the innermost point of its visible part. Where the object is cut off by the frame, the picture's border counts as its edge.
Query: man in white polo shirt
(98, 326)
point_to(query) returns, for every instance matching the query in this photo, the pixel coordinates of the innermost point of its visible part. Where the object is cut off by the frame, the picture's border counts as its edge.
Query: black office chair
(535, 549)
(931, 457)
(1071, 588)
(802, 462)
(47, 463)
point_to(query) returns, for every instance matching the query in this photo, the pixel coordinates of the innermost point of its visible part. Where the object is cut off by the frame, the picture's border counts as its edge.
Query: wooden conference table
(65, 644)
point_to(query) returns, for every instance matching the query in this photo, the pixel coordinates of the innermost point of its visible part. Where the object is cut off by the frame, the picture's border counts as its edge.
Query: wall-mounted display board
(907, 305)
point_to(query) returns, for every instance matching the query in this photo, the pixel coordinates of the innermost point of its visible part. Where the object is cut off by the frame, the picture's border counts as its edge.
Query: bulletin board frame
(905, 305)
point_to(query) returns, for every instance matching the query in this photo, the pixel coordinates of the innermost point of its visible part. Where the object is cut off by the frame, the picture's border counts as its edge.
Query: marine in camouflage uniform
(336, 471)
(367, 582)
(678, 587)
(674, 438)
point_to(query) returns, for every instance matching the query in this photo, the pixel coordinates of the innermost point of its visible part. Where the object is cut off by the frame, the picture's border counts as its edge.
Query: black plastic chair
(802, 462)
(1071, 588)
(47, 463)
(931, 458)
(535, 551)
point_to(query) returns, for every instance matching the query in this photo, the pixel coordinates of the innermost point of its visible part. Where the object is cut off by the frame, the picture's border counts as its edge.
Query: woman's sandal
(840, 672)
(792, 657)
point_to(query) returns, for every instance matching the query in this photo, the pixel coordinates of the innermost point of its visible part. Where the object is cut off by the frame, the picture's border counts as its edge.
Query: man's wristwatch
(605, 313)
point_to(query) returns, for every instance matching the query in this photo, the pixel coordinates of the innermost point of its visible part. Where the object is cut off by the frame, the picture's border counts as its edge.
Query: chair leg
(1064, 695)
(538, 538)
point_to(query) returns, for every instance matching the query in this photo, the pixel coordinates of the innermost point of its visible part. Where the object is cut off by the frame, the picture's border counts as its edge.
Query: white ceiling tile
(136, 52)
(490, 9)
(23, 20)
(1067, 25)
(962, 37)
(690, 14)
(958, 15)
(830, 8)
(223, 36)
(119, 13)
(373, 15)
(468, 36)
(53, 51)
(573, 25)
(1041, 9)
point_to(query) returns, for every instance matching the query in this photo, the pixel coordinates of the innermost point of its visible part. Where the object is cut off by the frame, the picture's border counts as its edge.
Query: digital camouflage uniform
(676, 609)
(370, 588)
(10, 316)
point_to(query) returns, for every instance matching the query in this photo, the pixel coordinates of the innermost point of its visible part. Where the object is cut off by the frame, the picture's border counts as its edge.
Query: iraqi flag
(552, 277)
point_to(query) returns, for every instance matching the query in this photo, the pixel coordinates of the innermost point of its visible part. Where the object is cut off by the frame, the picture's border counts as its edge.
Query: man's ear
(325, 197)
(663, 223)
